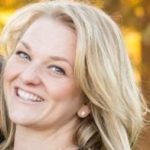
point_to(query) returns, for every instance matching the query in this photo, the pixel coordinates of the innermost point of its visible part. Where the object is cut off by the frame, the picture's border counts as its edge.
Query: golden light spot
(139, 11)
(5, 15)
(133, 43)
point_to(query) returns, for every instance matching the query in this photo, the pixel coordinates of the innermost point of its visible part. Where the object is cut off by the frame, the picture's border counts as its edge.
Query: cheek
(63, 90)
(9, 71)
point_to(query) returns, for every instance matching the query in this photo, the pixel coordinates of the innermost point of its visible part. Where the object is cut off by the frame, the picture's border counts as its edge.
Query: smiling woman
(67, 82)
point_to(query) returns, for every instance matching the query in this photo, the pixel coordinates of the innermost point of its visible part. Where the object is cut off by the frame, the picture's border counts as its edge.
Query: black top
(1, 137)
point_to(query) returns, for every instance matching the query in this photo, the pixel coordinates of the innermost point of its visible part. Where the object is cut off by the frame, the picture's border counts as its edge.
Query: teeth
(28, 96)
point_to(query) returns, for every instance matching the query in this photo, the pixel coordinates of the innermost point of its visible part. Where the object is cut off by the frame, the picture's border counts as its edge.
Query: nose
(30, 75)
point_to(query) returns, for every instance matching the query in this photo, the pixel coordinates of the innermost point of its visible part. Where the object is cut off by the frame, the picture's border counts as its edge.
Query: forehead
(46, 28)
(50, 35)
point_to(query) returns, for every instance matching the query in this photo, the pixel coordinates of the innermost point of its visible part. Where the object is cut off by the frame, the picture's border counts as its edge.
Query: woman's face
(39, 82)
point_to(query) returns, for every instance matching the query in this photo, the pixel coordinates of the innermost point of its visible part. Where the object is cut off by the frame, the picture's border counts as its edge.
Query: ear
(84, 111)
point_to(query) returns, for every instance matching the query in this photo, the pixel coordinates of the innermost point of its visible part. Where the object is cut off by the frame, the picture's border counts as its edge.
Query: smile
(28, 96)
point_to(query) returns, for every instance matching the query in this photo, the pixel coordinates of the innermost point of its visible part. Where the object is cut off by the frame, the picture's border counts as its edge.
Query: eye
(57, 70)
(23, 55)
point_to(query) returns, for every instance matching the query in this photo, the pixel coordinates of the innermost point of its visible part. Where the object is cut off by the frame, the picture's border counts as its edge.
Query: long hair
(102, 68)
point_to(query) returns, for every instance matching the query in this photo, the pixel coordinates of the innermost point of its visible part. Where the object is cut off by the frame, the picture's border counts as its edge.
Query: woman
(68, 82)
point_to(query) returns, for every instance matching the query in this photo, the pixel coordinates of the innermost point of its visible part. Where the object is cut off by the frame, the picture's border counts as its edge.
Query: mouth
(27, 96)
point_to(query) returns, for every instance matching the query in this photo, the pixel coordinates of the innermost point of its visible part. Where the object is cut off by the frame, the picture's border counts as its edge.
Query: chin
(20, 118)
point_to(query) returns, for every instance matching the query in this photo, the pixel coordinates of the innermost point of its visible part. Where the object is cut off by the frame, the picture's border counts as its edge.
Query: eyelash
(23, 55)
(59, 70)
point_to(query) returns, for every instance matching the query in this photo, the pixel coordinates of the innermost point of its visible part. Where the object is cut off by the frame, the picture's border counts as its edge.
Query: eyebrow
(54, 58)
(25, 45)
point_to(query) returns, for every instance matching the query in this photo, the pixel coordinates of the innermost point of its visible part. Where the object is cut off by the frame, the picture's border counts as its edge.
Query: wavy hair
(102, 68)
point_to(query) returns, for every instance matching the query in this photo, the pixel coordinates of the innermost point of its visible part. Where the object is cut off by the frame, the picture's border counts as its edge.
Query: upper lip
(16, 89)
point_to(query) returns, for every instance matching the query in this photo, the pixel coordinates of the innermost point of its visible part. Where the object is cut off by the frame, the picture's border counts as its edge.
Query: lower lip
(26, 101)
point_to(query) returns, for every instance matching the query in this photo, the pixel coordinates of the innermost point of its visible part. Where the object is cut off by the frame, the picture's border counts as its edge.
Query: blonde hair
(102, 69)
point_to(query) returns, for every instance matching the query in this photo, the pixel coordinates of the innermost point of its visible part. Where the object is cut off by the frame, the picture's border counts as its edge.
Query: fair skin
(42, 95)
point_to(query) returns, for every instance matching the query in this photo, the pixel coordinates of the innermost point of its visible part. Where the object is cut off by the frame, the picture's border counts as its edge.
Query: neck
(56, 139)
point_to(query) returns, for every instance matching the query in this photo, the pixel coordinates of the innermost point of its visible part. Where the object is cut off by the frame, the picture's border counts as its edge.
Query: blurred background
(133, 17)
